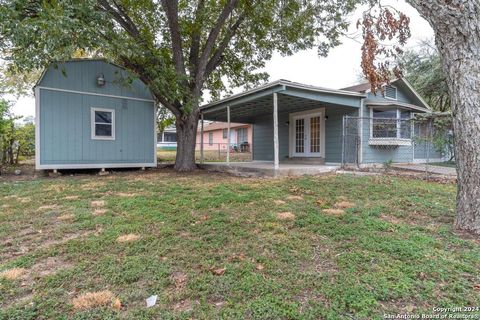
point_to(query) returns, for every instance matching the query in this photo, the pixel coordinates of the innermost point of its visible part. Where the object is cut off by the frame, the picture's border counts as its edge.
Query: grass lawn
(213, 246)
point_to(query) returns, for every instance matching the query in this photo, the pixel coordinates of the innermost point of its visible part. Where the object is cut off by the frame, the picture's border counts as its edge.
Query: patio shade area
(271, 108)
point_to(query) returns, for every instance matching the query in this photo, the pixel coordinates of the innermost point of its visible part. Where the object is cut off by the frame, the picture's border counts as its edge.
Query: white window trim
(93, 123)
(390, 139)
(396, 92)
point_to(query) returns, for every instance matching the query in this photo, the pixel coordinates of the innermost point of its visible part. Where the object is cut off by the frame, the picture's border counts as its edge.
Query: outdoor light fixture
(101, 80)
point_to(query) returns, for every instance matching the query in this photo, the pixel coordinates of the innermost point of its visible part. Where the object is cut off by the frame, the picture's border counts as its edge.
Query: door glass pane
(315, 134)
(300, 135)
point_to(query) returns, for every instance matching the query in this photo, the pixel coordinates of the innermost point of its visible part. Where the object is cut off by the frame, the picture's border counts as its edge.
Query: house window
(170, 137)
(242, 135)
(390, 123)
(103, 124)
(391, 92)
(210, 138)
(225, 133)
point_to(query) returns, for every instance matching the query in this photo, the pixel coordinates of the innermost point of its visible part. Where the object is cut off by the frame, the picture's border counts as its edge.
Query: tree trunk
(457, 35)
(186, 141)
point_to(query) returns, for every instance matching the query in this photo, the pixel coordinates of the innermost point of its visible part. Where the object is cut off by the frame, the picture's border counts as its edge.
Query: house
(215, 136)
(167, 139)
(93, 114)
(293, 121)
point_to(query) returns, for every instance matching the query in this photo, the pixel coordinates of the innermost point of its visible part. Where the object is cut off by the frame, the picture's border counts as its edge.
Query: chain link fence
(213, 152)
(418, 144)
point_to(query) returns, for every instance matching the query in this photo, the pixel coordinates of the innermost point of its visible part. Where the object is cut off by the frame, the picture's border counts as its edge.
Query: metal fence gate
(396, 140)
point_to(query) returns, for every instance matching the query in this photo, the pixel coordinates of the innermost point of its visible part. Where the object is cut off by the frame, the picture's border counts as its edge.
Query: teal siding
(81, 76)
(403, 95)
(65, 130)
(263, 138)
(381, 154)
(263, 135)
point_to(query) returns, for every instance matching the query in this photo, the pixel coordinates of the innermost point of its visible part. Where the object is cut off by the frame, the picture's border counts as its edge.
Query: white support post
(202, 158)
(276, 164)
(228, 135)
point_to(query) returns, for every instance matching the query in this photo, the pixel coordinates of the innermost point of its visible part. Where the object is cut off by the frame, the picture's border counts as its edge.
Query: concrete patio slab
(267, 169)
(421, 167)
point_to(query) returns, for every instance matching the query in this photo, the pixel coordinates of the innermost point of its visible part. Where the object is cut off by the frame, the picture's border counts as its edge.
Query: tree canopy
(177, 48)
(423, 69)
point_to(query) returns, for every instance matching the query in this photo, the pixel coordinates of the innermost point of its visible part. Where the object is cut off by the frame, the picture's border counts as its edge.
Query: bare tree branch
(212, 38)
(216, 59)
(195, 46)
(171, 10)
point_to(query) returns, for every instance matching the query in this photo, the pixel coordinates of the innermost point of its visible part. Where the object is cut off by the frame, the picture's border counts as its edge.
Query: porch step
(305, 160)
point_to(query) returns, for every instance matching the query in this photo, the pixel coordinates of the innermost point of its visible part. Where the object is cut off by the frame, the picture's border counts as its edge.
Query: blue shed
(93, 114)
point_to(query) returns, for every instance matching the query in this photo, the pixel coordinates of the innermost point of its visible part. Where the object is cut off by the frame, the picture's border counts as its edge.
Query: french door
(308, 135)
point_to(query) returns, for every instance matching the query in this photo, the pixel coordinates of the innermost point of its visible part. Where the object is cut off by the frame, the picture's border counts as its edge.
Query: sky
(340, 69)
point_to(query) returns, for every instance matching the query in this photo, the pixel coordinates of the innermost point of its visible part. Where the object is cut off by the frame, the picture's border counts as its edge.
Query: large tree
(180, 49)
(423, 69)
(456, 24)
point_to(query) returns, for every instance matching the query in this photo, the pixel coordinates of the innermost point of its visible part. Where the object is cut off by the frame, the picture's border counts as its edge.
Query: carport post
(202, 158)
(228, 134)
(275, 132)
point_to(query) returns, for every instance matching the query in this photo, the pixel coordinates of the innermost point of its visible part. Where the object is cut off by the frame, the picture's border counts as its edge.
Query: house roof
(362, 87)
(284, 84)
(222, 125)
(365, 87)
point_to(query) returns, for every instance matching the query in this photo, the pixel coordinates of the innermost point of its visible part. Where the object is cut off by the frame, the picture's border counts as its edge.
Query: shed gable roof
(80, 75)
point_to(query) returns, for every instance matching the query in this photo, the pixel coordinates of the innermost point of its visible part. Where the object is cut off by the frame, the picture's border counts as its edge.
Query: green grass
(393, 251)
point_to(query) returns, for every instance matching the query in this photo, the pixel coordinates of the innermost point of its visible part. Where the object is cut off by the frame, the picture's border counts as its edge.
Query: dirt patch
(183, 306)
(98, 203)
(66, 217)
(99, 212)
(179, 279)
(285, 216)
(390, 219)
(128, 238)
(294, 198)
(13, 274)
(279, 202)
(126, 195)
(91, 300)
(48, 207)
(49, 266)
(344, 205)
(334, 212)
(72, 197)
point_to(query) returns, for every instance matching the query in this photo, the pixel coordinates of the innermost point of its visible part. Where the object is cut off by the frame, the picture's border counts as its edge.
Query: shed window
(391, 92)
(103, 124)
(225, 133)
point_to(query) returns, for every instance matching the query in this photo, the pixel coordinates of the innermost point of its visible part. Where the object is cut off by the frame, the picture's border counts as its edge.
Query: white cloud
(339, 69)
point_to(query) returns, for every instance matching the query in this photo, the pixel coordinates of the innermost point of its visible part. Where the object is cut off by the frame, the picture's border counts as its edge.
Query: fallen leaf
(218, 272)
(477, 286)
(259, 267)
(321, 202)
(117, 304)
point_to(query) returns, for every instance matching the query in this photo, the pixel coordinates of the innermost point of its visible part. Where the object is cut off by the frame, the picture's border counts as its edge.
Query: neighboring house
(87, 117)
(167, 140)
(296, 121)
(215, 136)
